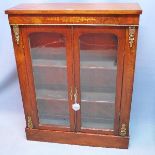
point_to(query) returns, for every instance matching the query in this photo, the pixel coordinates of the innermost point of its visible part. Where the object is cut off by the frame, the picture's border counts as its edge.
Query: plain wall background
(142, 120)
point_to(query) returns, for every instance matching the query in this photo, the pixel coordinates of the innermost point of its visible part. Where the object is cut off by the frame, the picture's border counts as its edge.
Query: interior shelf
(93, 64)
(97, 123)
(53, 111)
(92, 113)
(97, 97)
(104, 58)
(60, 120)
(49, 63)
(51, 94)
(98, 64)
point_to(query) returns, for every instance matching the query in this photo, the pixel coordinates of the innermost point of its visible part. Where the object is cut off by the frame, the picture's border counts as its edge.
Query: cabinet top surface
(76, 8)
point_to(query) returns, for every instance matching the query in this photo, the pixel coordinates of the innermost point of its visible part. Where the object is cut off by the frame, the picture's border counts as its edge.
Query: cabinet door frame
(66, 31)
(120, 32)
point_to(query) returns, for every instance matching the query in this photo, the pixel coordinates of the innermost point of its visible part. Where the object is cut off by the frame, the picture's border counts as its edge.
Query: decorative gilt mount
(74, 19)
(131, 35)
(123, 130)
(29, 122)
(16, 33)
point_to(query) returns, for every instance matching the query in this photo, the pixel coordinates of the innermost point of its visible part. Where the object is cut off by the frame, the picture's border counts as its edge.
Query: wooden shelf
(97, 123)
(44, 51)
(109, 65)
(54, 109)
(97, 97)
(104, 59)
(98, 65)
(92, 113)
(60, 120)
(51, 94)
(48, 63)
(104, 77)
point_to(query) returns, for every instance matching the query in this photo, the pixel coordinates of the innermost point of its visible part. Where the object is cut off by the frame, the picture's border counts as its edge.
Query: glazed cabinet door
(98, 56)
(48, 58)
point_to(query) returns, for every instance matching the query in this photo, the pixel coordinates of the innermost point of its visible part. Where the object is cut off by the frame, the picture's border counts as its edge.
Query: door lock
(75, 106)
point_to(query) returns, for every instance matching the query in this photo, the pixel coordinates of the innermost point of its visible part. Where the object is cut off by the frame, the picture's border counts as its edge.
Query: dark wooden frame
(119, 32)
(26, 31)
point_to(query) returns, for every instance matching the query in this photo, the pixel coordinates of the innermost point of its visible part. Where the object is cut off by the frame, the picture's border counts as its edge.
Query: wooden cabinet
(76, 66)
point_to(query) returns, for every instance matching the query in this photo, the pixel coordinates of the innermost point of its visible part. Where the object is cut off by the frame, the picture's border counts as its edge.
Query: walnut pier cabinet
(76, 67)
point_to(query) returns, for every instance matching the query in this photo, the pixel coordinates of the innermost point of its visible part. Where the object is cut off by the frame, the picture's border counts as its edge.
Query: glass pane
(98, 67)
(48, 53)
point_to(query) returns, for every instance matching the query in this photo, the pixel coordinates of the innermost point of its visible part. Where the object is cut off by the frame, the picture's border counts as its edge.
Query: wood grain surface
(76, 8)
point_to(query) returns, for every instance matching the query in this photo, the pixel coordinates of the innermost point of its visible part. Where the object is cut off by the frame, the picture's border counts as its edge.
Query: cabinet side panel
(22, 74)
(128, 78)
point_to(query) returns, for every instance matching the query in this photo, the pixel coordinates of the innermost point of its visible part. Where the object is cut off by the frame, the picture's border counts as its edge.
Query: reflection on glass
(48, 53)
(98, 67)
